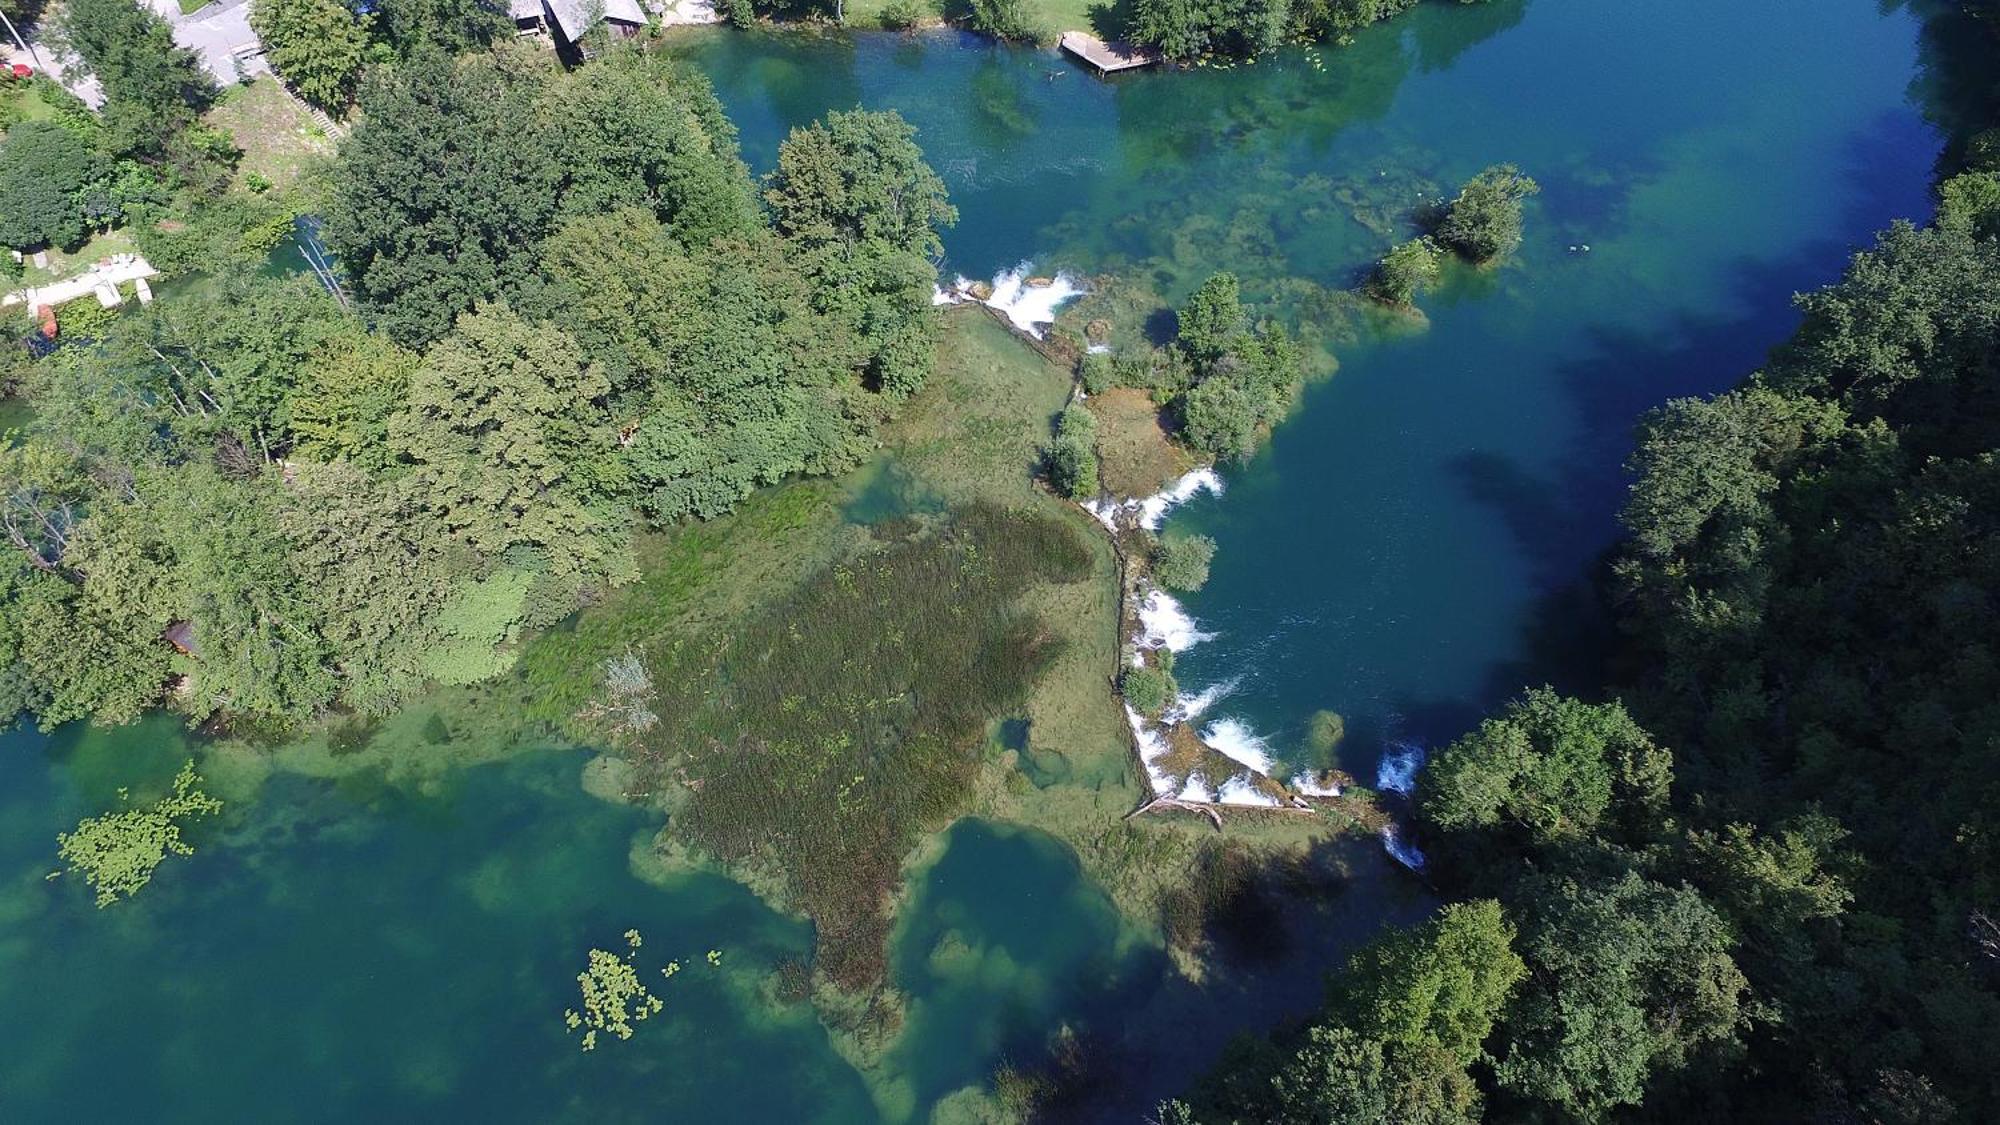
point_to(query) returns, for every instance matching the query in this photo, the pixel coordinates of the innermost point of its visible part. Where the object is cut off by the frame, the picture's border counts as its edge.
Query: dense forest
(569, 311)
(1760, 883)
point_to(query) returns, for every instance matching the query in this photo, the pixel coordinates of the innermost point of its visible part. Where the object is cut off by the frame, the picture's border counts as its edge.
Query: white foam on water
(1164, 624)
(1401, 850)
(1031, 308)
(1152, 746)
(1153, 509)
(1397, 772)
(1099, 349)
(1106, 512)
(1309, 785)
(1188, 707)
(1238, 791)
(1234, 739)
(1197, 790)
(1150, 511)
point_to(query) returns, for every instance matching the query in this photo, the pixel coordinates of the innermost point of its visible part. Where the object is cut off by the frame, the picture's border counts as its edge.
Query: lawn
(21, 101)
(64, 264)
(1053, 17)
(279, 139)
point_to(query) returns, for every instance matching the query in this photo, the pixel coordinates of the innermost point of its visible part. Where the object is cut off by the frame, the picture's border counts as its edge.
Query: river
(1412, 546)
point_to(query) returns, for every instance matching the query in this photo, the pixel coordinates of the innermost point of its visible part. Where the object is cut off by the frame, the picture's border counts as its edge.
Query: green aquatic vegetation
(817, 740)
(117, 852)
(1326, 731)
(613, 998)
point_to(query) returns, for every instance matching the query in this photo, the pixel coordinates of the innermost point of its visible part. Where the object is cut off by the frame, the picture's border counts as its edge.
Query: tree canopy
(44, 171)
(318, 46)
(566, 323)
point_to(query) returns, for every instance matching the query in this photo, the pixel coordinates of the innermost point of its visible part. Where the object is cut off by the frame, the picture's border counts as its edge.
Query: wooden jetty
(1107, 58)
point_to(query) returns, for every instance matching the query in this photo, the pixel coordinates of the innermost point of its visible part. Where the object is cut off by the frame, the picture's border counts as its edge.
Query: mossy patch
(824, 735)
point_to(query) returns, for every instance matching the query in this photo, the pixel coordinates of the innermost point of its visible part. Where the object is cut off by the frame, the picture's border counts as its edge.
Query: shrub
(1484, 222)
(1072, 458)
(84, 319)
(1406, 271)
(902, 15)
(1181, 563)
(1097, 373)
(1004, 19)
(1148, 689)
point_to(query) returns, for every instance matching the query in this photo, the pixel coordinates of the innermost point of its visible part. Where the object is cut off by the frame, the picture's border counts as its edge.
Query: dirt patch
(1135, 453)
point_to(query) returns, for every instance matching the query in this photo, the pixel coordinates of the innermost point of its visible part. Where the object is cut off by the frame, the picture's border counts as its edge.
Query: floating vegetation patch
(614, 996)
(117, 853)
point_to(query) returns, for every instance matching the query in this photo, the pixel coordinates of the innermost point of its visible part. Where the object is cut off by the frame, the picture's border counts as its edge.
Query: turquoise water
(1408, 548)
(1413, 545)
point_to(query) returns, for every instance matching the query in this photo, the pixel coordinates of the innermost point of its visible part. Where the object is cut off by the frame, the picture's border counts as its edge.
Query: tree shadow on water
(1273, 940)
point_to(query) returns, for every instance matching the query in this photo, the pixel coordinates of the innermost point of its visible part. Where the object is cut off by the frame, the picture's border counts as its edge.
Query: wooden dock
(1107, 58)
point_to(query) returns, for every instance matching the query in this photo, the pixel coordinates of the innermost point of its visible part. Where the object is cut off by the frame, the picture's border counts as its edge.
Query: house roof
(525, 9)
(180, 634)
(574, 16)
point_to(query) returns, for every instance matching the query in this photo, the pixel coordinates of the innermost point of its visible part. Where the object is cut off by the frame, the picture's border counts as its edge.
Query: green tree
(261, 653)
(1484, 222)
(1409, 1015)
(444, 27)
(1407, 270)
(44, 171)
(1551, 768)
(1244, 391)
(855, 195)
(318, 46)
(1072, 457)
(152, 88)
(376, 569)
(1629, 980)
(1004, 19)
(1439, 985)
(348, 389)
(1971, 201)
(507, 432)
(857, 178)
(443, 192)
(640, 130)
(1211, 320)
(1181, 561)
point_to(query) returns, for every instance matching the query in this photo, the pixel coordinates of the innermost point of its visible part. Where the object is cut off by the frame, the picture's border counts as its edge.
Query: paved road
(221, 35)
(44, 60)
